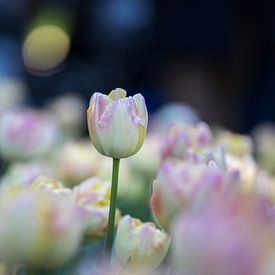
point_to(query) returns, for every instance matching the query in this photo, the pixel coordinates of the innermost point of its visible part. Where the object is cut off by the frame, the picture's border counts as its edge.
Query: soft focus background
(217, 56)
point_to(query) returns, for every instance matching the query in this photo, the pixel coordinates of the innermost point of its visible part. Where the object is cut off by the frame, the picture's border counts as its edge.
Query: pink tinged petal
(141, 110)
(117, 93)
(118, 131)
(98, 104)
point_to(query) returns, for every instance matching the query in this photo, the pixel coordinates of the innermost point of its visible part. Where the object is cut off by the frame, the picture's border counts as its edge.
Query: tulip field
(104, 188)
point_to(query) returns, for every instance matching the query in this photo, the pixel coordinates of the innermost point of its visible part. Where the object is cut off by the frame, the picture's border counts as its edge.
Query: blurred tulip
(253, 178)
(93, 198)
(140, 244)
(24, 173)
(193, 144)
(38, 227)
(233, 238)
(180, 186)
(117, 124)
(147, 160)
(75, 162)
(181, 137)
(170, 114)
(69, 111)
(239, 145)
(26, 134)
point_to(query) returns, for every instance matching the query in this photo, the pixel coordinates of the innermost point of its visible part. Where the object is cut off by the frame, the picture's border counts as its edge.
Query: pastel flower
(69, 111)
(24, 173)
(76, 162)
(93, 198)
(192, 143)
(180, 186)
(253, 178)
(117, 124)
(38, 227)
(225, 238)
(140, 244)
(236, 144)
(26, 134)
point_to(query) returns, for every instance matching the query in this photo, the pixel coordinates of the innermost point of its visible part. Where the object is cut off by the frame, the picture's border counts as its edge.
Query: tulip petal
(118, 129)
(141, 109)
(117, 93)
(98, 104)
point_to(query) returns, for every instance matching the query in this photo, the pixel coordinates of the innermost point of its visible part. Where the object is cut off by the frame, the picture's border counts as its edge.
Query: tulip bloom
(38, 226)
(92, 197)
(180, 186)
(140, 244)
(117, 124)
(26, 134)
(239, 145)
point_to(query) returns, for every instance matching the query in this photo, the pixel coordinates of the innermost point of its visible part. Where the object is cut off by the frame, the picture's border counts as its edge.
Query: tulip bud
(180, 186)
(93, 198)
(26, 134)
(38, 227)
(140, 244)
(117, 124)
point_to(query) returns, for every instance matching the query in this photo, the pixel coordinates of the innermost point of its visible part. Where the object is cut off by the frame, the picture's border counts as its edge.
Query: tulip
(76, 161)
(140, 244)
(26, 134)
(117, 124)
(182, 137)
(192, 143)
(24, 173)
(170, 114)
(180, 186)
(38, 227)
(225, 238)
(253, 178)
(69, 111)
(239, 145)
(92, 198)
(117, 127)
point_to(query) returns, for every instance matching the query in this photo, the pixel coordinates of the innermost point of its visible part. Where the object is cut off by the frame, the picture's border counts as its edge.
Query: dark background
(216, 55)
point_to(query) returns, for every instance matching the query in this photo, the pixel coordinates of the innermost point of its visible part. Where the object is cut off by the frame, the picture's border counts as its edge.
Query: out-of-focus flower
(170, 114)
(76, 161)
(253, 178)
(93, 198)
(232, 238)
(69, 110)
(239, 145)
(147, 160)
(192, 143)
(26, 133)
(140, 244)
(12, 92)
(38, 227)
(180, 186)
(264, 136)
(117, 124)
(24, 173)
(181, 137)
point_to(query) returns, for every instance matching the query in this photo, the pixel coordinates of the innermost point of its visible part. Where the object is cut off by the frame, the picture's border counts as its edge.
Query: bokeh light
(45, 48)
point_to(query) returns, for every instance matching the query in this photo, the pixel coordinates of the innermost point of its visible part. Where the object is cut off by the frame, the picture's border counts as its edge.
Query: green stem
(112, 209)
